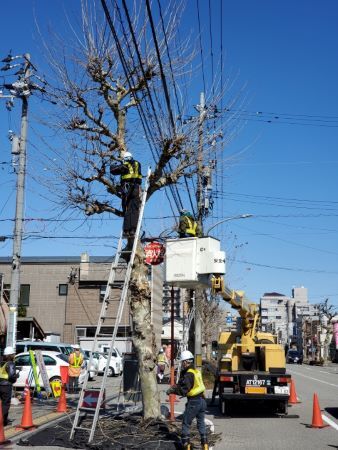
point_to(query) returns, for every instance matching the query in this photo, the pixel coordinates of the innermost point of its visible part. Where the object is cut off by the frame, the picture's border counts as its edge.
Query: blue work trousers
(195, 407)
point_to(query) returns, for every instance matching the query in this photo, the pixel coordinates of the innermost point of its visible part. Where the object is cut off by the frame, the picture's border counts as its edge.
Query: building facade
(65, 295)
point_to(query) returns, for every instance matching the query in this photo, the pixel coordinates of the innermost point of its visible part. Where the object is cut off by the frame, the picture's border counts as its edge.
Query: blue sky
(285, 165)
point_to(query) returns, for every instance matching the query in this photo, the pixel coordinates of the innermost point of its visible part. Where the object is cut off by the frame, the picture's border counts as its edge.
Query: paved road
(266, 431)
(258, 429)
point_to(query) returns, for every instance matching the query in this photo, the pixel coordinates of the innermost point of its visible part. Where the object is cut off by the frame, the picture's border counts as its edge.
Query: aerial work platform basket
(191, 261)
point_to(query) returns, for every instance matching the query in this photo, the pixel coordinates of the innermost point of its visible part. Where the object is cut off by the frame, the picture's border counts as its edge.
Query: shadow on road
(249, 409)
(332, 411)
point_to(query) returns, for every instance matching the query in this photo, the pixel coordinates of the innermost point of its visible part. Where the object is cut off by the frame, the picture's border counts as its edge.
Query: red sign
(154, 253)
(90, 398)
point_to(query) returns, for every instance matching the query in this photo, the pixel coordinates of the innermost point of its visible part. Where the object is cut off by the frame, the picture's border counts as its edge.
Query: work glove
(171, 390)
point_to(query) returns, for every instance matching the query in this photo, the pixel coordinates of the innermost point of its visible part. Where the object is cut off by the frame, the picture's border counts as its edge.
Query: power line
(126, 70)
(200, 41)
(292, 269)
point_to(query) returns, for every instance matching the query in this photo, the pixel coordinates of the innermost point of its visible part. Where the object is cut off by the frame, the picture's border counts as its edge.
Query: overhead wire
(200, 42)
(173, 81)
(124, 64)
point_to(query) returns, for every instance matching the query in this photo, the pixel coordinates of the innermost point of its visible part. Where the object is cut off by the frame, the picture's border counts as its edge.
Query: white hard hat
(186, 355)
(9, 351)
(127, 156)
(76, 347)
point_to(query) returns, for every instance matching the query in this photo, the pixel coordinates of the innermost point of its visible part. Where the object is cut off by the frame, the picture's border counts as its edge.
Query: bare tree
(111, 87)
(326, 313)
(212, 318)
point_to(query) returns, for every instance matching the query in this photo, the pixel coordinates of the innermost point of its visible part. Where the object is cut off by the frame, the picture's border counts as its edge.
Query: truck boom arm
(249, 312)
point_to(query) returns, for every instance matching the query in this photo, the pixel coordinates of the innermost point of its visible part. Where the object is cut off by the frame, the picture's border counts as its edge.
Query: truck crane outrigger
(251, 365)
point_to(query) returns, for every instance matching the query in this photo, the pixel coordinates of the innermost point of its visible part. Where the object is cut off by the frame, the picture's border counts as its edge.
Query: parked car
(115, 363)
(24, 346)
(94, 367)
(294, 357)
(52, 360)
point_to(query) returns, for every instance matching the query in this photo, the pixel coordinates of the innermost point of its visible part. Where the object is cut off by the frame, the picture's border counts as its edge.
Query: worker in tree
(8, 377)
(131, 180)
(75, 361)
(188, 227)
(191, 385)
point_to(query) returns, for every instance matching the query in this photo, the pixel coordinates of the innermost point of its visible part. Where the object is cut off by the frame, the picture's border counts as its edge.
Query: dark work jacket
(185, 383)
(11, 370)
(122, 169)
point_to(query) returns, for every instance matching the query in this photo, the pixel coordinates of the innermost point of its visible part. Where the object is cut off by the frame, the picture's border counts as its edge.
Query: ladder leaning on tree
(103, 316)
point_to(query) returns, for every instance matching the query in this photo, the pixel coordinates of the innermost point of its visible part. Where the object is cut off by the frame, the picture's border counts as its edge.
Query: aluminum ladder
(103, 316)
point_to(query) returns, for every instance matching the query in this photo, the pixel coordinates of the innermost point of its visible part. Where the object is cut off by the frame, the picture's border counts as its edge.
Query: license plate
(282, 390)
(255, 390)
(255, 382)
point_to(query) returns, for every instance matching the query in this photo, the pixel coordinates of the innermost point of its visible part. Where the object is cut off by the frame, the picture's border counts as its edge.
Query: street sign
(154, 253)
(90, 398)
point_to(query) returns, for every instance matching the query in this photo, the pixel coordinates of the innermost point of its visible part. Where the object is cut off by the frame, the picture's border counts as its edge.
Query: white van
(24, 346)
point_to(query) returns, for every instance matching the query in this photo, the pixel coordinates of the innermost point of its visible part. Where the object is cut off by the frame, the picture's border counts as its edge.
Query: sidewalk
(43, 412)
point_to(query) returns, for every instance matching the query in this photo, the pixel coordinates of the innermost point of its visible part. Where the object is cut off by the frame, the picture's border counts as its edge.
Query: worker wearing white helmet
(191, 385)
(75, 361)
(8, 377)
(130, 189)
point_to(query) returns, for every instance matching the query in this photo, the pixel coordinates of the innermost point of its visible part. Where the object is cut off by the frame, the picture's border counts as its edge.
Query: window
(63, 289)
(81, 332)
(24, 293)
(49, 361)
(278, 317)
(102, 292)
(23, 360)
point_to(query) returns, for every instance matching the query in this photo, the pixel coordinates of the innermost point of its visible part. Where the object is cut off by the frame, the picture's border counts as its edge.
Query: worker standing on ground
(130, 184)
(161, 363)
(8, 377)
(188, 227)
(75, 361)
(191, 385)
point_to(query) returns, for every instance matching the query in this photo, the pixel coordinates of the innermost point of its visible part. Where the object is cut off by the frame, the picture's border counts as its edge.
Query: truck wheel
(111, 372)
(283, 407)
(224, 407)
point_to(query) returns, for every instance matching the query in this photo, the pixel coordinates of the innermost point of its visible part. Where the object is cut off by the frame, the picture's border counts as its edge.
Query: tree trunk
(143, 336)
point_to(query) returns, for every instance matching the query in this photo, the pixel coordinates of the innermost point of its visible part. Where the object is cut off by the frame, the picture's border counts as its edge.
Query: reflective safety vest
(198, 386)
(161, 358)
(3, 372)
(192, 226)
(133, 171)
(75, 363)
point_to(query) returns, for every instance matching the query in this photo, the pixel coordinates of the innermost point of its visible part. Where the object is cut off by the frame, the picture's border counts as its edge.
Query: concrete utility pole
(200, 207)
(20, 89)
(199, 194)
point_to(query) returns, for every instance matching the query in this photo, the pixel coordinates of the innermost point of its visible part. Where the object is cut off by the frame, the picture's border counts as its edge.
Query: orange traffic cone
(27, 418)
(62, 405)
(317, 420)
(3, 440)
(293, 399)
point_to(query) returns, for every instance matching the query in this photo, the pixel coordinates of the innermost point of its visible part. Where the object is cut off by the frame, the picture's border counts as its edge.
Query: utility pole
(199, 194)
(20, 89)
(200, 208)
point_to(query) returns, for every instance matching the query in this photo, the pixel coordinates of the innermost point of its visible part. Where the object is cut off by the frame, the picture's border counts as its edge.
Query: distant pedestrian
(75, 361)
(191, 385)
(8, 377)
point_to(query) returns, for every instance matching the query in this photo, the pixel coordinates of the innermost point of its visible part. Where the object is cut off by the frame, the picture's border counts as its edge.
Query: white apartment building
(283, 315)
